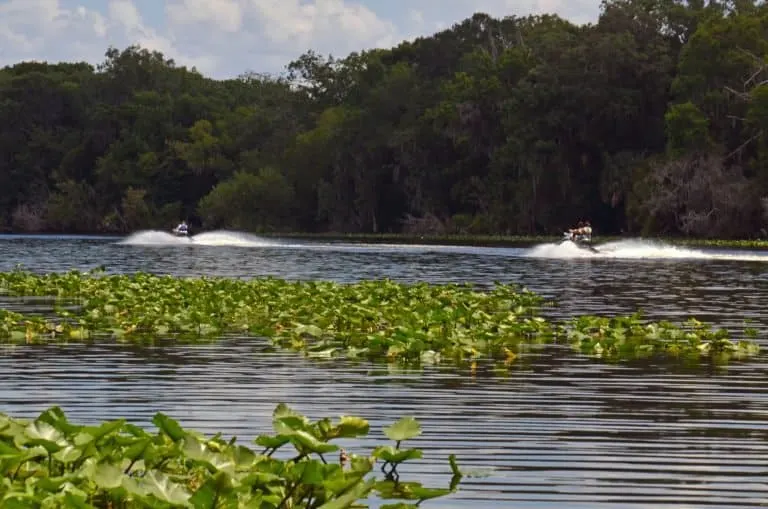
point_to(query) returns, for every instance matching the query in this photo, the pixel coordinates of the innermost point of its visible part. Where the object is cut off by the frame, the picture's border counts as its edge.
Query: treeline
(652, 120)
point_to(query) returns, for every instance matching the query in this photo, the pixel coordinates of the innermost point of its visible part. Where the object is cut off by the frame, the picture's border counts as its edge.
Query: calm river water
(559, 429)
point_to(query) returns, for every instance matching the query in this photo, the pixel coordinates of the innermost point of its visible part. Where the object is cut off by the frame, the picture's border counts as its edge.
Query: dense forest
(652, 120)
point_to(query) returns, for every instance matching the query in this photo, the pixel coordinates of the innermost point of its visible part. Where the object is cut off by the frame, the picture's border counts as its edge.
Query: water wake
(638, 249)
(213, 238)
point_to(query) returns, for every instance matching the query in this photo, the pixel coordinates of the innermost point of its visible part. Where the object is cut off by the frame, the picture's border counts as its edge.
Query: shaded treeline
(654, 120)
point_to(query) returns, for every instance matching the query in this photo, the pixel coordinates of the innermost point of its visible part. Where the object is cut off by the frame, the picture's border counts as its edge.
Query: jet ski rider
(583, 232)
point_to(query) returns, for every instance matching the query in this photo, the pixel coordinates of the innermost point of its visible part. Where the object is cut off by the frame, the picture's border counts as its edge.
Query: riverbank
(450, 239)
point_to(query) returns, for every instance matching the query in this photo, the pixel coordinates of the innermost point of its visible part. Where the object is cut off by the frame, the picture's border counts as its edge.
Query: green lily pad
(404, 429)
(395, 456)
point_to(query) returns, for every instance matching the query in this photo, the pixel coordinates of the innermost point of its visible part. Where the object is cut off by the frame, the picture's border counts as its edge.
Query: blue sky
(224, 38)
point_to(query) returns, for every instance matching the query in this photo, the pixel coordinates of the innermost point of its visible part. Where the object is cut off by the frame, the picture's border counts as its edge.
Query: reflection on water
(556, 429)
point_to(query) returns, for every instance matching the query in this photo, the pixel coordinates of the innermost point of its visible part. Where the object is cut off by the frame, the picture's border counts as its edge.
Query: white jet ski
(581, 241)
(180, 231)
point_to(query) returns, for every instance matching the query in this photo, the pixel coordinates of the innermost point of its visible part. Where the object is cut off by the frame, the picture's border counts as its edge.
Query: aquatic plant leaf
(68, 454)
(215, 493)
(43, 434)
(288, 424)
(347, 427)
(17, 336)
(161, 487)
(261, 480)
(454, 465)
(107, 476)
(455, 470)
(55, 417)
(7, 451)
(312, 472)
(423, 493)
(243, 457)
(350, 497)
(285, 420)
(339, 482)
(393, 455)
(43, 431)
(74, 501)
(168, 426)
(304, 442)
(52, 484)
(79, 334)
(139, 448)
(361, 464)
(390, 489)
(194, 450)
(101, 431)
(35, 452)
(404, 429)
(134, 430)
(20, 501)
(271, 442)
(255, 502)
(309, 330)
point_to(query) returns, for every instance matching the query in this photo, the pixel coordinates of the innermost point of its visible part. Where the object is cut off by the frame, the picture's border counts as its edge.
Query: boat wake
(213, 238)
(630, 249)
(638, 249)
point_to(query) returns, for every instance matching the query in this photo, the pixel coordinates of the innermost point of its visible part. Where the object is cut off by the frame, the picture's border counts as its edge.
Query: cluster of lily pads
(51, 462)
(629, 337)
(378, 320)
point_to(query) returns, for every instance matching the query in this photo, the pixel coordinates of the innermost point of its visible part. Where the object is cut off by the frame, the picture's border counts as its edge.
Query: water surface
(557, 429)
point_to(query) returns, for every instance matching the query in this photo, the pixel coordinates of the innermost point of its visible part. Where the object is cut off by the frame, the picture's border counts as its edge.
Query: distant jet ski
(581, 241)
(181, 231)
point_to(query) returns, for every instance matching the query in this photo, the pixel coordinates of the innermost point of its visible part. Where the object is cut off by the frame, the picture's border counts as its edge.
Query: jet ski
(180, 231)
(581, 241)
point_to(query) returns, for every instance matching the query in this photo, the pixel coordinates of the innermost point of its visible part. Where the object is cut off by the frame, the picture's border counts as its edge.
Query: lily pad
(404, 429)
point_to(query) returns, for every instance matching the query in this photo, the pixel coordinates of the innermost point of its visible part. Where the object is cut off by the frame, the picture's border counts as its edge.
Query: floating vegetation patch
(51, 462)
(377, 320)
(631, 338)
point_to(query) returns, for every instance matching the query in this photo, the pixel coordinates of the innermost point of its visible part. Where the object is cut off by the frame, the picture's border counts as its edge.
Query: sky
(225, 38)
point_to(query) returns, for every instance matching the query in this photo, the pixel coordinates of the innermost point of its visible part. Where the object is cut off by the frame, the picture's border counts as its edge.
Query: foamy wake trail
(214, 238)
(638, 249)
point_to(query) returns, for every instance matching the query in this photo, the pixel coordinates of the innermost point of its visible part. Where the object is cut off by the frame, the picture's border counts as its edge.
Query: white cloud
(578, 11)
(125, 13)
(227, 37)
(264, 35)
(226, 15)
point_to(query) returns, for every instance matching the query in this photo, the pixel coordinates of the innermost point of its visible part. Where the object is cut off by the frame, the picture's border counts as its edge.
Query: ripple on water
(558, 430)
(550, 434)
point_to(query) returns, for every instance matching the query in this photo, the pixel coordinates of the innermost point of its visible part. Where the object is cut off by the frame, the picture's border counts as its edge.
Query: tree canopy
(653, 119)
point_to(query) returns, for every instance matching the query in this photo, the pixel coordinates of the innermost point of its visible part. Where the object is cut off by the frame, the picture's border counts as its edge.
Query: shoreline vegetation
(653, 120)
(480, 240)
(377, 320)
